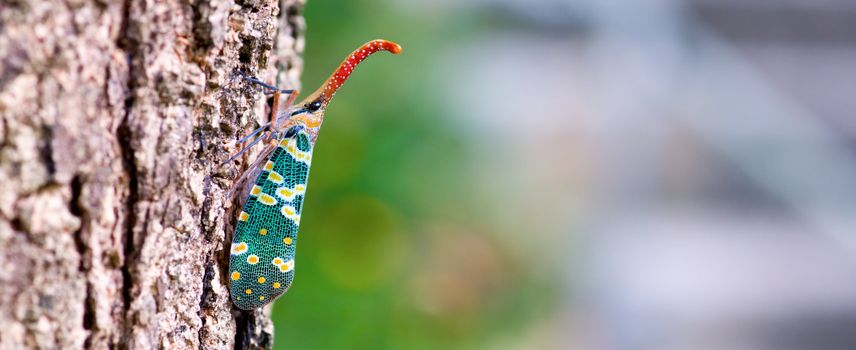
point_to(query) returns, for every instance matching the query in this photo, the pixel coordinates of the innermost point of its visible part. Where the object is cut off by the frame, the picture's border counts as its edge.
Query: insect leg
(254, 133)
(292, 95)
(243, 150)
(283, 91)
(274, 111)
(256, 81)
(273, 89)
(275, 92)
(250, 170)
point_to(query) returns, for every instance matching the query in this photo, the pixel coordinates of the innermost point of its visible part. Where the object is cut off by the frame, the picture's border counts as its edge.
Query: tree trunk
(114, 119)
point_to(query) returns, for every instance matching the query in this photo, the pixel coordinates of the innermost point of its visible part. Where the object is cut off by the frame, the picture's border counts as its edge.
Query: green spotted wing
(261, 264)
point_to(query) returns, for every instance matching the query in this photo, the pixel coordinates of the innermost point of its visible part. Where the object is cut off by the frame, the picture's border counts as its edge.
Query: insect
(261, 264)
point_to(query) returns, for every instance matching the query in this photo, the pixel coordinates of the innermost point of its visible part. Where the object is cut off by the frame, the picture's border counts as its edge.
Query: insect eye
(314, 106)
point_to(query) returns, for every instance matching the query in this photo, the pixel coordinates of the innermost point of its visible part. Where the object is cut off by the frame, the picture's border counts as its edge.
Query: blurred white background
(689, 166)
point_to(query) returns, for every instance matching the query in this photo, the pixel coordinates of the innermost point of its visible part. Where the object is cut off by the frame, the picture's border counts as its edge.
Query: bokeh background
(581, 174)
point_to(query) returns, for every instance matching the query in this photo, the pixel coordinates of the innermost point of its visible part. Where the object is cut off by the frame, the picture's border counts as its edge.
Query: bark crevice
(129, 43)
(129, 249)
(205, 298)
(78, 209)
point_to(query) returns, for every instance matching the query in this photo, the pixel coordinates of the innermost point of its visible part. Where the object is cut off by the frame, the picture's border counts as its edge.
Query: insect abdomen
(261, 266)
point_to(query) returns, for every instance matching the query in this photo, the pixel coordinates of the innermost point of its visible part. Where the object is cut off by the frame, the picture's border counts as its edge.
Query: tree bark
(115, 117)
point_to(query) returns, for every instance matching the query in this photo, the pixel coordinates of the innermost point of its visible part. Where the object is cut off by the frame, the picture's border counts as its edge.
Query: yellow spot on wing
(261, 280)
(244, 216)
(248, 291)
(236, 275)
(276, 261)
(269, 166)
(266, 199)
(256, 190)
(287, 266)
(263, 232)
(275, 177)
(287, 241)
(252, 259)
(261, 297)
(276, 285)
(238, 249)
(285, 193)
(288, 211)
(304, 157)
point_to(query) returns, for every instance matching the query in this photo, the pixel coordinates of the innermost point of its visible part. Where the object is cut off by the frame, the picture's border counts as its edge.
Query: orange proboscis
(335, 81)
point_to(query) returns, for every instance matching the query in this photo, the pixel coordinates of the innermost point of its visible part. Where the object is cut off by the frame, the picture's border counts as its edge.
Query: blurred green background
(581, 174)
(397, 250)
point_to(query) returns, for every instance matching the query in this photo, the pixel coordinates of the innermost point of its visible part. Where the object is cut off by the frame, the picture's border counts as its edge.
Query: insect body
(261, 265)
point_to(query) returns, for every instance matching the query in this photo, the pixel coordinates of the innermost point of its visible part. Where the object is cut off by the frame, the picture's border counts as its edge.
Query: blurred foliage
(392, 251)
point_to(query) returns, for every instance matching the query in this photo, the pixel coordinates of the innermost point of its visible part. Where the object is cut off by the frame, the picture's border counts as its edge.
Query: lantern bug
(261, 264)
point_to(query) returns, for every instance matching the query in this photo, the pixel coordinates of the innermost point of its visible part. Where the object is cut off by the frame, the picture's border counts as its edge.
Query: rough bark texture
(114, 119)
